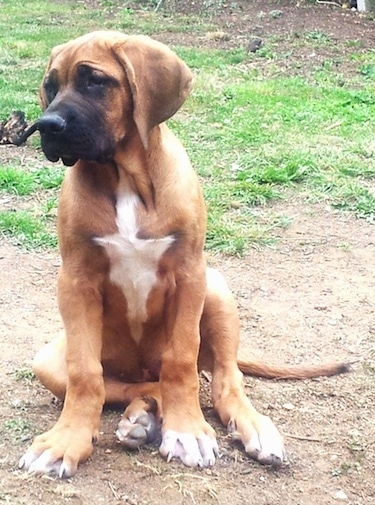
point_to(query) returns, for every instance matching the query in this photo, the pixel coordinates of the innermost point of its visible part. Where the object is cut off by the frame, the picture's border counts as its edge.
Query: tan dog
(141, 311)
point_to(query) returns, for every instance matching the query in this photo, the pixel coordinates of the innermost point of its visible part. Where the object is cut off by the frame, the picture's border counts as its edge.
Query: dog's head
(99, 87)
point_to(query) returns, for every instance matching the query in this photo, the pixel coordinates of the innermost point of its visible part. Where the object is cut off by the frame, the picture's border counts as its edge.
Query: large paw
(262, 440)
(137, 429)
(191, 450)
(58, 451)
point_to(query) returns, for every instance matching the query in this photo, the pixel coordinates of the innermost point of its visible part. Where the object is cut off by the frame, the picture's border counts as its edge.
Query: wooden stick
(299, 437)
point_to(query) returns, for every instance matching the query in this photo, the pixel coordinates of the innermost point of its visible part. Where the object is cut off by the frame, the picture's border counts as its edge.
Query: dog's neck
(135, 168)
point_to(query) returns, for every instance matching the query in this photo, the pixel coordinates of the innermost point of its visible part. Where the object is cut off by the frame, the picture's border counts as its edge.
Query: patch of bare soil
(295, 36)
(310, 298)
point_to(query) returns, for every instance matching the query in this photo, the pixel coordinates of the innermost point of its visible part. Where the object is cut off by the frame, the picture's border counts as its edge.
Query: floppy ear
(159, 81)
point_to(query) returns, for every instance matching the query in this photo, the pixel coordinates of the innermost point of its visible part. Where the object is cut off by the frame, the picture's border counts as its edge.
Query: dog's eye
(92, 80)
(50, 89)
(96, 80)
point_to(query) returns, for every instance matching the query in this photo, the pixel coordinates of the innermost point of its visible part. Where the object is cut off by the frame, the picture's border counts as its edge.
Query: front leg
(185, 433)
(69, 442)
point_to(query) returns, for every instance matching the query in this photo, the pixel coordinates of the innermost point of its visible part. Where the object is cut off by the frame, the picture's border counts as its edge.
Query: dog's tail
(273, 371)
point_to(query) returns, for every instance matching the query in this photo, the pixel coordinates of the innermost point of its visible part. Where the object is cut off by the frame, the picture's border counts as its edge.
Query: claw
(65, 472)
(231, 426)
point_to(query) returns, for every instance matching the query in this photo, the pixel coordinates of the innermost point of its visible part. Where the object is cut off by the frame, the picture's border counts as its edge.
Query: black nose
(52, 124)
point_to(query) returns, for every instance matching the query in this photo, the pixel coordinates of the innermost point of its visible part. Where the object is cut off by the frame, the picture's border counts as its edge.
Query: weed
(276, 13)
(16, 181)
(49, 178)
(212, 4)
(355, 43)
(275, 173)
(18, 429)
(50, 207)
(346, 468)
(24, 374)
(318, 36)
(357, 199)
(27, 229)
(17, 425)
(368, 70)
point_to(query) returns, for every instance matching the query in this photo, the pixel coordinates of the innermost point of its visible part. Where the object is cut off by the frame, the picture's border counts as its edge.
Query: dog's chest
(133, 261)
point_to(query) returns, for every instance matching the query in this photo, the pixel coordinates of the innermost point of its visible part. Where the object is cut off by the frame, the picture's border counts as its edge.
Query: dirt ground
(310, 298)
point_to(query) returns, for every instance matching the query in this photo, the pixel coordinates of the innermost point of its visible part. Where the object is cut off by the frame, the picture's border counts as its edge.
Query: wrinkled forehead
(96, 50)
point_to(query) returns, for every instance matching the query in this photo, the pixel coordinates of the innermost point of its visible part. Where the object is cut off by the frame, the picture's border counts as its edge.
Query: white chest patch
(133, 261)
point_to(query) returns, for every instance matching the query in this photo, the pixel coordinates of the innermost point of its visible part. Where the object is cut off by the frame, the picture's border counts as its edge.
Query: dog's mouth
(57, 145)
(70, 154)
(68, 160)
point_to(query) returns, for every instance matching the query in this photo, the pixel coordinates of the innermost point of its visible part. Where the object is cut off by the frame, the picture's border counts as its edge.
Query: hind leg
(140, 422)
(218, 354)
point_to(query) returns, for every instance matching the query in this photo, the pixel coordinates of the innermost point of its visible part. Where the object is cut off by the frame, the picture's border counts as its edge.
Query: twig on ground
(334, 125)
(300, 437)
(149, 467)
(158, 5)
(114, 492)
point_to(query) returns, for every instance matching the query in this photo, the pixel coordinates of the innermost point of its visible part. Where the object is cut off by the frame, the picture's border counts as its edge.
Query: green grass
(17, 429)
(29, 229)
(25, 182)
(254, 131)
(272, 134)
(24, 374)
(16, 181)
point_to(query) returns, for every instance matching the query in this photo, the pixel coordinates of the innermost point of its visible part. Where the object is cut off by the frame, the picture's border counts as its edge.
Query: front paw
(193, 450)
(58, 451)
(261, 439)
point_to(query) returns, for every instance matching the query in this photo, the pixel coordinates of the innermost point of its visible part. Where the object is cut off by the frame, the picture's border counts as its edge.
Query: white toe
(27, 459)
(209, 449)
(190, 450)
(45, 463)
(266, 443)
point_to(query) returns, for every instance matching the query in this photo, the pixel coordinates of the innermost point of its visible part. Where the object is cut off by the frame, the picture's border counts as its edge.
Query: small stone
(354, 433)
(254, 45)
(288, 406)
(340, 495)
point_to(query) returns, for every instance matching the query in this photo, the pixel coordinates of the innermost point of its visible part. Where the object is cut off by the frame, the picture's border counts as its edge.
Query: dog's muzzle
(71, 139)
(57, 139)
